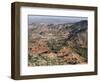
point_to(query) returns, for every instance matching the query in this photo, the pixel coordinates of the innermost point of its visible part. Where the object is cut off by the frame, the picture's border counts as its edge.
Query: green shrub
(56, 45)
(82, 51)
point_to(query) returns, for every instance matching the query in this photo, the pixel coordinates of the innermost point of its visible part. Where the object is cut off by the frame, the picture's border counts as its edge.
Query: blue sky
(54, 19)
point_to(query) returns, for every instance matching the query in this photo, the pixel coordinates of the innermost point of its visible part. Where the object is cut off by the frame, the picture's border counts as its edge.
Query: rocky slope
(57, 44)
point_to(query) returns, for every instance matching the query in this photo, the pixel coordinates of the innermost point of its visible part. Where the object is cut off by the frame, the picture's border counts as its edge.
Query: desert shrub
(36, 60)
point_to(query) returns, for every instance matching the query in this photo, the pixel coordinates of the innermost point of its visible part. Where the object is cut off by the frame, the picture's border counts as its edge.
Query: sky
(53, 19)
